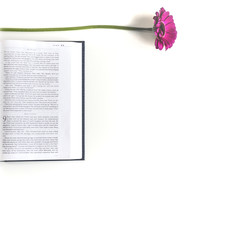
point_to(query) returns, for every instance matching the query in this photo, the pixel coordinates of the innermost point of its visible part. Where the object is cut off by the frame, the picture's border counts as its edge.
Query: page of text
(35, 100)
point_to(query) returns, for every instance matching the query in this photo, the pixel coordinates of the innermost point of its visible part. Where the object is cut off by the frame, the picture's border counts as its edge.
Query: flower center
(162, 29)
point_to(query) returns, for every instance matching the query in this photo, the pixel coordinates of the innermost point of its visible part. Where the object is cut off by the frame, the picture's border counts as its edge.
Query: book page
(36, 83)
(1, 97)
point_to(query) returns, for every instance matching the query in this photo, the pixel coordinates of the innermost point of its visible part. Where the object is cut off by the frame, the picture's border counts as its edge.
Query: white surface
(162, 128)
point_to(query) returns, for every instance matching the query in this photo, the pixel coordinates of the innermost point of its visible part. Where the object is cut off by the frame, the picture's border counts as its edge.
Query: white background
(162, 128)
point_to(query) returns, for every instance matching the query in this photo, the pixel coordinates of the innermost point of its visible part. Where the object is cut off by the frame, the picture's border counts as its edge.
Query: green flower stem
(74, 28)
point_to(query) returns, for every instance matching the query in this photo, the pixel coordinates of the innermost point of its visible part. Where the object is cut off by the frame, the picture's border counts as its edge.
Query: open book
(42, 100)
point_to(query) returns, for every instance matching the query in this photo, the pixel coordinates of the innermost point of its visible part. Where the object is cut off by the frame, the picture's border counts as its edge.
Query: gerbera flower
(165, 30)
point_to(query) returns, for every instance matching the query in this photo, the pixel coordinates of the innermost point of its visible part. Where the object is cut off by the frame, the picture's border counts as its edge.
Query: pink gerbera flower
(165, 30)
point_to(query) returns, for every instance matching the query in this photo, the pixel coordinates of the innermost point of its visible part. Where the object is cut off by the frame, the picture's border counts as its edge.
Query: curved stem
(74, 28)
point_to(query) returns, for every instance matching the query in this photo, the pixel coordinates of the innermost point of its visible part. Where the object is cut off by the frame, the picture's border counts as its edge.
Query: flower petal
(164, 16)
(160, 45)
(168, 19)
(161, 11)
(170, 27)
(156, 43)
